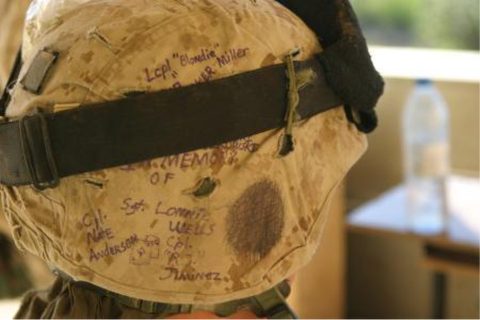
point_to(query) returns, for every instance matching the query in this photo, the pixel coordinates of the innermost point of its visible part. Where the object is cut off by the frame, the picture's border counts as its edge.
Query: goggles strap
(42, 148)
(271, 304)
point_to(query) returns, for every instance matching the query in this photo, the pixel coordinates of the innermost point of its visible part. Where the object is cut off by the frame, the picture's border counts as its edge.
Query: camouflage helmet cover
(207, 226)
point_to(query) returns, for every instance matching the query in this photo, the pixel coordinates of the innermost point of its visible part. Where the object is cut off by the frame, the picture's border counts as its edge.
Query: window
(440, 24)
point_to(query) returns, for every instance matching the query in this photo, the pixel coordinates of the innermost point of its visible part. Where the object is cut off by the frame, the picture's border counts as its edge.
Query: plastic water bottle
(426, 158)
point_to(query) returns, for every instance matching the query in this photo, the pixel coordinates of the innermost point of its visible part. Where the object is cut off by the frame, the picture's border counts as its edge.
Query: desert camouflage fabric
(202, 227)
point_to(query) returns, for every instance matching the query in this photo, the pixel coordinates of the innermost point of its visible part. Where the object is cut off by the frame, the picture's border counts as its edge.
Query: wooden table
(456, 250)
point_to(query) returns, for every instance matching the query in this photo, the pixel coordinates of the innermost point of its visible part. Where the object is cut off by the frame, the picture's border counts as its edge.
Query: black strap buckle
(37, 151)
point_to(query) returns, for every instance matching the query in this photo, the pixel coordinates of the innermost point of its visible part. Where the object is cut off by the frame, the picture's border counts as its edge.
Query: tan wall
(385, 279)
(319, 288)
(381, 167)
(12, 13)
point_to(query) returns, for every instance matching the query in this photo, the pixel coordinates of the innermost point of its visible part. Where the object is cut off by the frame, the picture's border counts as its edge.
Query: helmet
(209, 225)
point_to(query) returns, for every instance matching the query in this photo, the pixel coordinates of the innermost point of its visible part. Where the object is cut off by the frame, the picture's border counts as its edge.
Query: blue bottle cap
(423, 82)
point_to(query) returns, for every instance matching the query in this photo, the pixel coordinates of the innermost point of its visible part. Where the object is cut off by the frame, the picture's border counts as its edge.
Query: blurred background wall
(386, 275)
(381, 167)
(383, 274)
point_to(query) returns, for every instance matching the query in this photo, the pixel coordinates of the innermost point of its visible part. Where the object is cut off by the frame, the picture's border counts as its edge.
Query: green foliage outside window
(443, 24)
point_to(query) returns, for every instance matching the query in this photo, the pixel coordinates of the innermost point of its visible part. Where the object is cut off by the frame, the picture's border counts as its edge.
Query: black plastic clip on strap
(37, 124)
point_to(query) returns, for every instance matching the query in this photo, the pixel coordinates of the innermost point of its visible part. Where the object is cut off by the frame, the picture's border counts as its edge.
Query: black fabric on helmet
(347, 63)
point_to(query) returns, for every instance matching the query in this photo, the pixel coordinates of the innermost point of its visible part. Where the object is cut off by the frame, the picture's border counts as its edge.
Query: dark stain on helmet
(256, 220)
